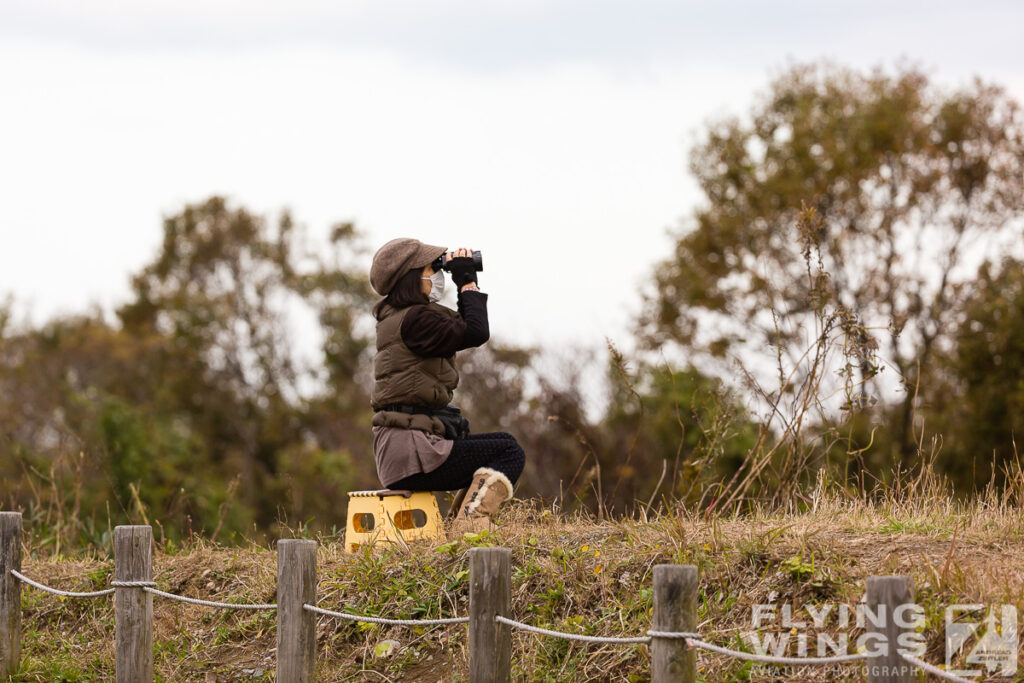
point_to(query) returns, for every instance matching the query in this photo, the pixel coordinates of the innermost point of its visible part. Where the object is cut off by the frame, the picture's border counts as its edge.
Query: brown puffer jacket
(402, 377)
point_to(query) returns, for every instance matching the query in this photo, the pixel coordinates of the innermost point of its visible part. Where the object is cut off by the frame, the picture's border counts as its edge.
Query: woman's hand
(460, 263)
(462, 252)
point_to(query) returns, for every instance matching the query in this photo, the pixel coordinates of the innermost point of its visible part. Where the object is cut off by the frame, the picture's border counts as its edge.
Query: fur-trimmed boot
(489, 489)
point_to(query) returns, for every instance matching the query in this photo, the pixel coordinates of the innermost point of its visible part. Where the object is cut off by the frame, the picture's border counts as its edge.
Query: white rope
(150, 587)
(381, 620)
(65, 594)
(934, 670)
(567, 636)
(208, 603)
(692, 639)
(132, 584)
(765, 659)
(674, 634)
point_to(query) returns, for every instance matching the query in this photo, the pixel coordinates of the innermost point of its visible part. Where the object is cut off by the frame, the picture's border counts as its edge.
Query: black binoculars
(441, 262)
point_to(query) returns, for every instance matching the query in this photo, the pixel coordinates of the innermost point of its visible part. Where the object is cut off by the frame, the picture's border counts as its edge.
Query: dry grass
(571, 574)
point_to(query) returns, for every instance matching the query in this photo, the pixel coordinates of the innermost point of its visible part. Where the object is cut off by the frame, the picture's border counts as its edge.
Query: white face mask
(436, 286)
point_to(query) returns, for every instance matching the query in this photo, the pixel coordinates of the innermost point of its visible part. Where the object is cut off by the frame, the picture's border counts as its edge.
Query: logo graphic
(994, 640)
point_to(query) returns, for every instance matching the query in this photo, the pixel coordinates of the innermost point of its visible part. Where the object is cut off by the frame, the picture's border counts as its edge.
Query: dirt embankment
(572, 575)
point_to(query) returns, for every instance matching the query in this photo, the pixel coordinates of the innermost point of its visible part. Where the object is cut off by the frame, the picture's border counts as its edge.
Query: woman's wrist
(469, 287)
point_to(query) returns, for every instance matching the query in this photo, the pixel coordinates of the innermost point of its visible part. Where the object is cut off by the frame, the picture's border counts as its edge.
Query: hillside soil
(570, 573)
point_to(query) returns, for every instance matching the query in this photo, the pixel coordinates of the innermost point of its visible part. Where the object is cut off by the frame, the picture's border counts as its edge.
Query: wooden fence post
(884, 595)
(490, 594)
(675, 609)
(296, 626)
(133, 607)
(10, 592)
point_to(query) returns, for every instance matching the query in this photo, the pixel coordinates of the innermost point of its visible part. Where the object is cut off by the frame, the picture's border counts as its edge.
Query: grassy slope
(569, 574)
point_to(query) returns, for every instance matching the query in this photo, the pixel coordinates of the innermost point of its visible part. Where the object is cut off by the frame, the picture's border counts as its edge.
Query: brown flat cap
(398, 257)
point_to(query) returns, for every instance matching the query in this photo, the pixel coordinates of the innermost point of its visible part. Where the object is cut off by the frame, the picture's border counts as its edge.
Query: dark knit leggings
(496, 450)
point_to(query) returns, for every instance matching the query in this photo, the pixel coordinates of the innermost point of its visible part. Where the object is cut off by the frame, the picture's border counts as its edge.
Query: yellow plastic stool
(391, 517)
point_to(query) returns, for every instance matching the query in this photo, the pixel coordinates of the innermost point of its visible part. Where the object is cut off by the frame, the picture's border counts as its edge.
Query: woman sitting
(419, 442)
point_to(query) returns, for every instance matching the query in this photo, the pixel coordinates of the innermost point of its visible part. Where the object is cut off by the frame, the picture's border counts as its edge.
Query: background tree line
(847, 302)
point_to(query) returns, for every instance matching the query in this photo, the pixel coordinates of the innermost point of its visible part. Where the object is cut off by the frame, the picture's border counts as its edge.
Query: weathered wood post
(675, 610)
(885, 594)
(133, 607)
(10, 592)
(296, 626)
(490, 594)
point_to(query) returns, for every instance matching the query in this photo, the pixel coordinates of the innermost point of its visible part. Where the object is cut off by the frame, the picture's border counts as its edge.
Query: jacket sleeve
(430, 334)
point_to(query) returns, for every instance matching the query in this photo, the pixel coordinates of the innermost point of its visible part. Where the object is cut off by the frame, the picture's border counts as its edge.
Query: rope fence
(382, 620)
(207, 603)
(783, 661)
(673, 638)
(571, 636)
(934, 670)
(64, 594)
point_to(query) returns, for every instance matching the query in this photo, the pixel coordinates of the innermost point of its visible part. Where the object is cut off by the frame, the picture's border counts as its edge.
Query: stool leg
(460, 496)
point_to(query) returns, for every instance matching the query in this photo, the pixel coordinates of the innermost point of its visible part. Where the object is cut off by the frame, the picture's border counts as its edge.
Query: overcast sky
(551, 135)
